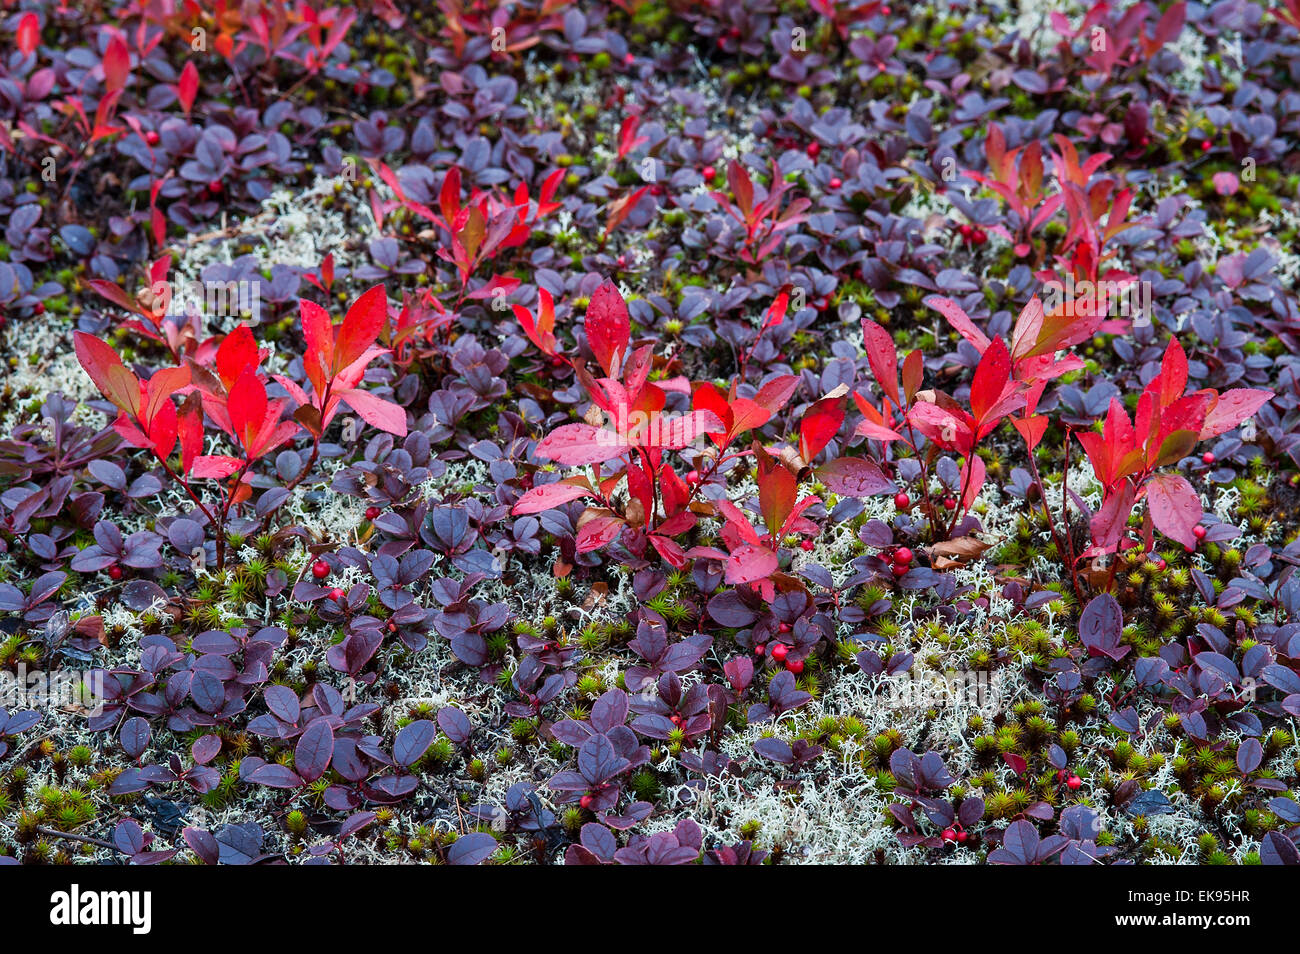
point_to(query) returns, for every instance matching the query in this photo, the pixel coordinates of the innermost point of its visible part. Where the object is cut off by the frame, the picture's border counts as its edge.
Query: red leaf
(189, 427)
(990, 382)
(247, 404)
(113, 292)
(1031, 429)
(675, 493)
(750, 563)
(972, 478)
(117, 64)
(159, 390)
(747, 415)
(215, 466)
(547, 497)
(741, 187)
(776, 313)
(1175, 507)
(318, 330)
(608, 326)
(578, 444)
(939, 425)
(1173, 374)
(238, 351)
(449, 196)
(29, 33)
(775, 393)
(361, 326)
(1231, 409)
(820, 423)
(777, 489)
(913, 373)
(108, 372)
(681, 431)
(1109, 522)
(627, 137)
(960, 321)
(883, 358)
(598, 532)
(188, 86)
(375, 411)
(540, 331)
(707, 397)
(621, 208)
(162, 429)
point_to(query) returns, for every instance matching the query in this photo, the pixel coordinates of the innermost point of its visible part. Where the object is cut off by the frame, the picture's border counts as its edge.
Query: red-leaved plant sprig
(1126, 456)
(764, 220)
(227, 384)
(1167, 425)
(335, 363)
(480, 229)
(636, 436)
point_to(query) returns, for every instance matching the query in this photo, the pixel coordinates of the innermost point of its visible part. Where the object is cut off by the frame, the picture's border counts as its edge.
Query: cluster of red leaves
(1166, 427)
(336, 361)
(628, 431)
(764, 220)
(482, 228)
(227, 385)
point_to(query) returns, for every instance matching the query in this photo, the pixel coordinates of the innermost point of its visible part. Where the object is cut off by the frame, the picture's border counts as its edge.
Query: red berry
(900, 569)
(361, 89)
(1073, 782)
(215, 187)
(152, 137)
(1205, 145)
(760, 649)
(320, 569)
(693, 477)
(115, 572)
(814, 150)
(978, 236)
(963, 836)
(336, 594)
(1208, 457)
(585, 801)
(1198, 532)
(835, 182)
(372, 513)
(780, 651)
(794, 665)
(903, 555)
(39, 308)
(949, 835)
(708, 172)
(784, 627)
(902, 501)
(807, 544)
(965, 230)
(949, 503)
